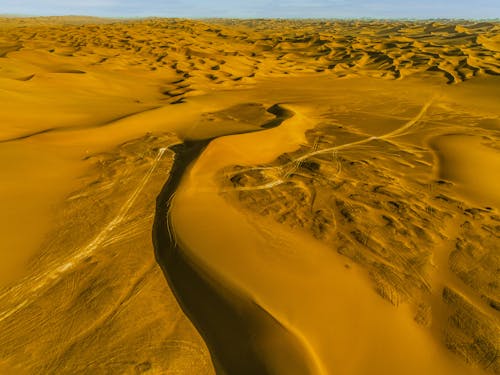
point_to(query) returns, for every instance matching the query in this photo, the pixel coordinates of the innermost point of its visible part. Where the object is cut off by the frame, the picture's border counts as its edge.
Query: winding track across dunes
(285, 169)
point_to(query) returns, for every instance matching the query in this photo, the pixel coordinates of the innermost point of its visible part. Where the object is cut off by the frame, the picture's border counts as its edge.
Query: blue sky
(259, 8)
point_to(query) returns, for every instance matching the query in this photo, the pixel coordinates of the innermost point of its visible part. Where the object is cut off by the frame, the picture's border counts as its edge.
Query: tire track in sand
(31, 287)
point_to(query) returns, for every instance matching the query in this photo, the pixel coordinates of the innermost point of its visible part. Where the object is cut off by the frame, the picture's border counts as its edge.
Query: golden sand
(321, 196)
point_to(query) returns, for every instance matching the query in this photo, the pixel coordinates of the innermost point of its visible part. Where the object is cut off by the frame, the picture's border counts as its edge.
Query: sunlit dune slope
(415, 221)
(321, 196)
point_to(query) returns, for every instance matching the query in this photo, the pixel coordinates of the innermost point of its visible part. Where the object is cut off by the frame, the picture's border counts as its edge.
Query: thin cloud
(259, 8)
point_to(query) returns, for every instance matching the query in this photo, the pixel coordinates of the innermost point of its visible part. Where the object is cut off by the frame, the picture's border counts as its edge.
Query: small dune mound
(26, 78)
(470, 333)
(70, 71)
(5, 49)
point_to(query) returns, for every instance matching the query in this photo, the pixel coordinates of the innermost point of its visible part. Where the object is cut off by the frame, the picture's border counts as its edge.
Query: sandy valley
(249, 196)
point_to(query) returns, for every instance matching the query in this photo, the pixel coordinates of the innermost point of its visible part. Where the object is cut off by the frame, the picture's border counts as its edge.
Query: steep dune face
(326, 196)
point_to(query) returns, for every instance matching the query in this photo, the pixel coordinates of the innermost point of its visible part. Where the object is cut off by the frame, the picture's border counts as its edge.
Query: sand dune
(321, 196)
(367, 198)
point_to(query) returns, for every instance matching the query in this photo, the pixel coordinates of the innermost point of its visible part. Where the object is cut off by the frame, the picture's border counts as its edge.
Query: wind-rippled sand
(344, 218)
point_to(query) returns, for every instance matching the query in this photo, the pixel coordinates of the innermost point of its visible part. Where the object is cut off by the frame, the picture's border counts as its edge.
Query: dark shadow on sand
(240, 335)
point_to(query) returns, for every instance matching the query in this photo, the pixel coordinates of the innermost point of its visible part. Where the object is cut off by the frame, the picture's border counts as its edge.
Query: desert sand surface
(249, 196)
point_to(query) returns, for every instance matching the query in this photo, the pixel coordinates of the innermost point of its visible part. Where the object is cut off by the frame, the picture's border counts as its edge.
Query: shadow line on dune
(242, 337)
(76, 127)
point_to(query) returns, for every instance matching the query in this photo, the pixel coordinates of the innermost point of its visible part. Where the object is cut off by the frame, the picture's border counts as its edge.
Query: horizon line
(9, 15)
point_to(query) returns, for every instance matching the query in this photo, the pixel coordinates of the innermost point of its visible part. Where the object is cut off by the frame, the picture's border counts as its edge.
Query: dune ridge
(211, 304)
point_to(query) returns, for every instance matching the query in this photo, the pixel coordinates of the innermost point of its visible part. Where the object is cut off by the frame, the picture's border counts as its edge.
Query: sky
(258, 8)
